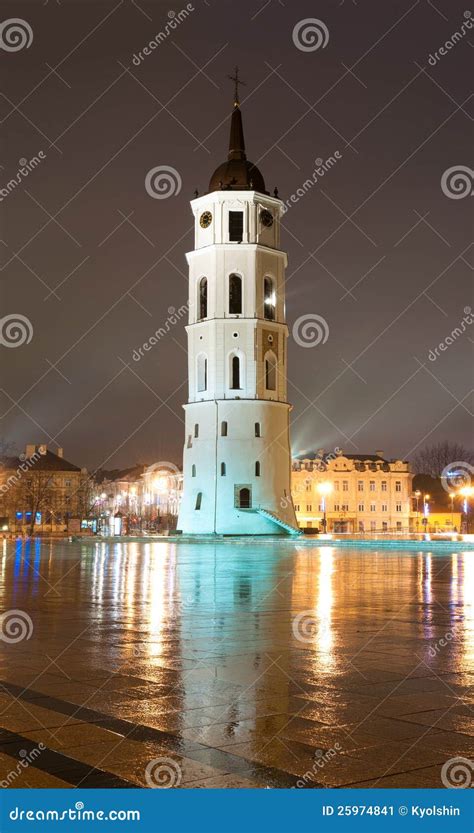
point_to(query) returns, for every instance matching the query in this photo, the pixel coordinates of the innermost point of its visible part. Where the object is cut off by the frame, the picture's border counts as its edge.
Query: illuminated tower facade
(237, 460)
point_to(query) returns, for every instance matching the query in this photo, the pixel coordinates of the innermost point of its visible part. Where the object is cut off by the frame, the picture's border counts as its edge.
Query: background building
(352, 493)
(41, 492)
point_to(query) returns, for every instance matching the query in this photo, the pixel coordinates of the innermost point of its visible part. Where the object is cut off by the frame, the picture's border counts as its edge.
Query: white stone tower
(237, 459)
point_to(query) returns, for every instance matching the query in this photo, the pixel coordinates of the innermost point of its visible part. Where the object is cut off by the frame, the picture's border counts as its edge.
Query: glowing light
(160, 484)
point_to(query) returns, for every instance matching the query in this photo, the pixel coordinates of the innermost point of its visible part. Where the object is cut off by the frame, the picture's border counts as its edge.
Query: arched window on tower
(257, 429)
(202, 300)
(270, 371)
(244, 498)
(224, 428)
(269, 299)
(223, 470)
(193, 470)
(202, 372)
(235, 372)
(235, 295)
(257, 468)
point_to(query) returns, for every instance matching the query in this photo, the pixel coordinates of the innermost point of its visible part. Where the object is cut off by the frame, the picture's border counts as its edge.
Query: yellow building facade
(349, 493)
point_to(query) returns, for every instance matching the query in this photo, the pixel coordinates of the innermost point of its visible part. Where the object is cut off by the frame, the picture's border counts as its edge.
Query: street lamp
(466, 492)
(417, 498)
(324, 489)
(452, 496)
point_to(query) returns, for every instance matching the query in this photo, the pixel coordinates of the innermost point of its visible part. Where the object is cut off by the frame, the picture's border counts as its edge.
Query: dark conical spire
(237, 174)
(236, 138)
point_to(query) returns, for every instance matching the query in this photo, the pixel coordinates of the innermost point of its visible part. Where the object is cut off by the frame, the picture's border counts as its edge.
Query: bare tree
(36, 494)
(433, 459)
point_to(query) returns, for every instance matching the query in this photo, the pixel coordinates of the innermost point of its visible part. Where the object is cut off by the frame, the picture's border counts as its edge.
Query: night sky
(376, 248)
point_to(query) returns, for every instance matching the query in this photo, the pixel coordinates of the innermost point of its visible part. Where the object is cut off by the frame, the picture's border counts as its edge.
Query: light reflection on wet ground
(246, 664)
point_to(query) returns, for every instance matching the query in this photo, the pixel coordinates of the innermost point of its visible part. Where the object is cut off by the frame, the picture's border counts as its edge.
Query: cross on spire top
(235, 78)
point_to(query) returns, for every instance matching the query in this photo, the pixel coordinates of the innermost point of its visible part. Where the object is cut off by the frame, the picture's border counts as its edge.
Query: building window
(224, 429)
(308, 486)
(361, 507)
(372, 507)
(235, 373)
(257, 469)
(320, 508)
(384, 526)
(257, 429)
(223, 470)
(361, 526)
(399, 526)
(398, 485)
(270, 372)
(372, 485)
(198, 500)
(269, 299)
(384, 485)
(190, 441)
(345, 485)
(398, 506)
(360, 485)
(373, 526)
(297, 507)
(243, 497)
(235, 295)
(345, 507)
(196, 430)
(203, 298)
(236, 226)
(202, 372)
(384, 507)
(336, 507)
(336, 485)
(309, 507)
(193, 470)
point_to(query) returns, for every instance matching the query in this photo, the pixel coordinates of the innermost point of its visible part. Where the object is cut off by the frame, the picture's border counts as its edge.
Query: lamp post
(451, 497)
(466, 492)
(324, 489)
(417, 498)
(426, 510)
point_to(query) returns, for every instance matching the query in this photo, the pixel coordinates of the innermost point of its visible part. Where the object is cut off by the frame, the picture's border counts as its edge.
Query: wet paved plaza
(233, 665)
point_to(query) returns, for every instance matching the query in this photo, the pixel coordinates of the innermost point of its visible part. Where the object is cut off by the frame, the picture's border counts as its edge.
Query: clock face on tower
(205, 219)
(266, 218)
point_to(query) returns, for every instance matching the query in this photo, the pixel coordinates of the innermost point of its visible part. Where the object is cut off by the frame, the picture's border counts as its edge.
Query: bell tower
(237, 463)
